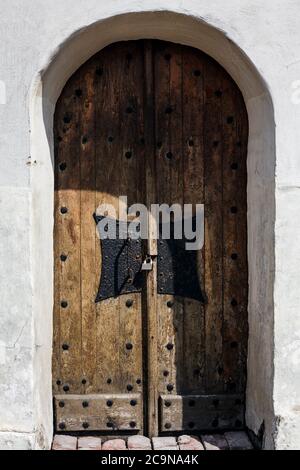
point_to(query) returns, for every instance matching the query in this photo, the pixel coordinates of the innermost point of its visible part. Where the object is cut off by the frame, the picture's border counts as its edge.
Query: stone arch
(45, 91)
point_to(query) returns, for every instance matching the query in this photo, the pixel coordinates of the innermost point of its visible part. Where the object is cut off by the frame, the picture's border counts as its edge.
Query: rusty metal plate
(201, 412)
(103, 412)
(121, 265)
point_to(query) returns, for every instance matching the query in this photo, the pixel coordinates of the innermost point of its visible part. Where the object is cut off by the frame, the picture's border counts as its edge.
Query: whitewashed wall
(41, 44)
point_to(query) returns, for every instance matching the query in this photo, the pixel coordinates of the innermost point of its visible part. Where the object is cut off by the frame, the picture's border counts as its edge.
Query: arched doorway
(162, 123)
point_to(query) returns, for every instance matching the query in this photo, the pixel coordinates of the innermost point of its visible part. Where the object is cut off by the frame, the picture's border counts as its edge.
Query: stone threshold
(227, 441)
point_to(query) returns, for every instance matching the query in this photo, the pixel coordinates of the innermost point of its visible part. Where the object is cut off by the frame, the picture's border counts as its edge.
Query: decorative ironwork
(177, 269)
(121, 265)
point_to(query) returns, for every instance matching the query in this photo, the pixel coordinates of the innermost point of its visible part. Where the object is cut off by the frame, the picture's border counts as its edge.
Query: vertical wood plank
(213, 223)
(151, 283)
(234, 121)
(67, 309)
(108, 164)
(131, 139)
(86, 96)
(168, 127)
(193, 173)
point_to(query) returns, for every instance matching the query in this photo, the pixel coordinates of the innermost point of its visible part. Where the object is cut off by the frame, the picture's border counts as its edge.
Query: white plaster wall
(32, 33)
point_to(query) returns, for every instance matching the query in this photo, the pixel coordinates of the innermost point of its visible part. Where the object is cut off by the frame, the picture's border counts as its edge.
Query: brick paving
(227, 441)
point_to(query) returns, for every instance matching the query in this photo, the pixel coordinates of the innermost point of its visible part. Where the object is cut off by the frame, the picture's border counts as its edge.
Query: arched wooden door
(159, 123)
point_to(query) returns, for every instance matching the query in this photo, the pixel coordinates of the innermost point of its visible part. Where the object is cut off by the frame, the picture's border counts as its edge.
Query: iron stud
(62, 166)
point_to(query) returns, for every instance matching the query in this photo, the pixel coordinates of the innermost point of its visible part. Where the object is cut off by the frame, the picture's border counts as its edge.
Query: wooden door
(159, 123)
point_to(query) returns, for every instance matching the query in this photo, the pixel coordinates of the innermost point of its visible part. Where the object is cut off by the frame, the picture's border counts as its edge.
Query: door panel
(159, 123)
(101, 149)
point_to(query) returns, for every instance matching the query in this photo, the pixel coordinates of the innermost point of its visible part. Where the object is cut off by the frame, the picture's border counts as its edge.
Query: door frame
(44, 92)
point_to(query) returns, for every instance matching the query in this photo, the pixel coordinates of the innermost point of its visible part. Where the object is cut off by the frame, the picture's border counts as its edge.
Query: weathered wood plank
(151, 330)
(88, 240)
(67, 308)
(197, 412)
(235, 275)
(193, 371)
(169, 165)
(213, 223)
(130, 96)
(99, 412)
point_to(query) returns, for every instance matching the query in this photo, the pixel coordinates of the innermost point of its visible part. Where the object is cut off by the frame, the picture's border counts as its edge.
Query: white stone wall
(41, 44)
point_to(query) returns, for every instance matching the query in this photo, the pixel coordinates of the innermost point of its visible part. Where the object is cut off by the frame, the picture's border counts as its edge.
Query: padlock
(147, 264)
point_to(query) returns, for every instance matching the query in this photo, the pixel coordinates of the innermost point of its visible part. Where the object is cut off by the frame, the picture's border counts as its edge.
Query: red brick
(89, 443)
(189, 443)
(114, 444)
(139, 443)
(164, 443)
(61, 442)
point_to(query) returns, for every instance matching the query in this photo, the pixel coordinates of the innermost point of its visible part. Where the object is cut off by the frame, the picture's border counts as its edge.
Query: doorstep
(227, 441)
